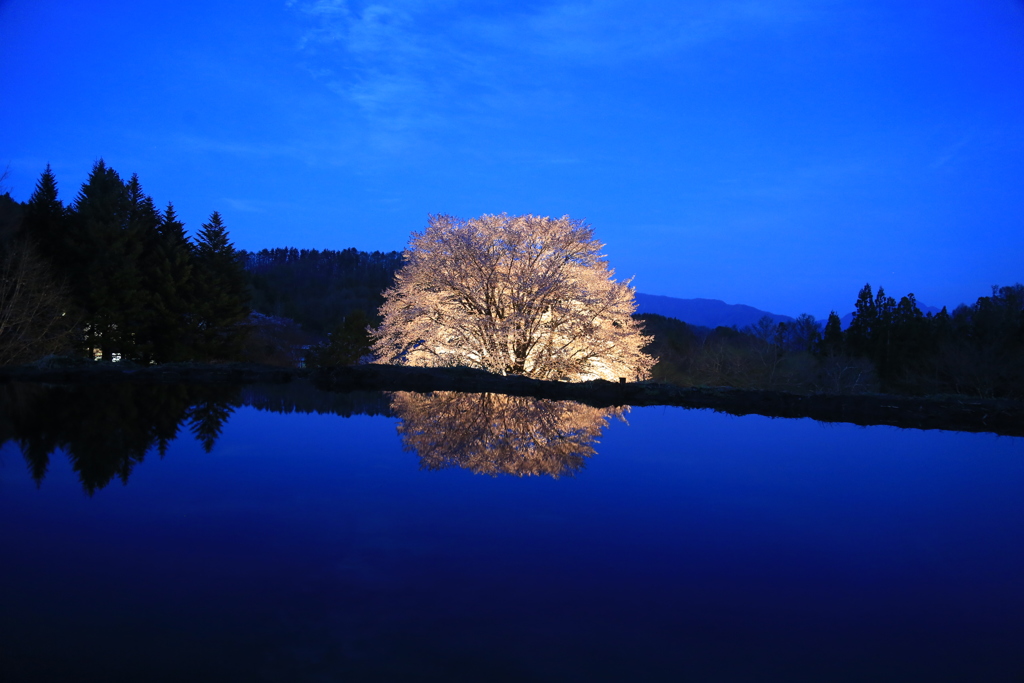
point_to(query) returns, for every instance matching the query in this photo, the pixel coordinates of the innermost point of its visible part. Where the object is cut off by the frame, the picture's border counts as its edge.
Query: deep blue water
(692, 546)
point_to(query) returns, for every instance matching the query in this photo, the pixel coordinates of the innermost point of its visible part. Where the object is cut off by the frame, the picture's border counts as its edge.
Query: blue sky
(778, 153)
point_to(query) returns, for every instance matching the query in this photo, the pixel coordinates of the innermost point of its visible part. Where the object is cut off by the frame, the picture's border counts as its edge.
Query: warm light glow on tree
(523, 295)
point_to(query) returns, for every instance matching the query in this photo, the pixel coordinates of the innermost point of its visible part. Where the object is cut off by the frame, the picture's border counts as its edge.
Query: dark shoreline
(955, 413)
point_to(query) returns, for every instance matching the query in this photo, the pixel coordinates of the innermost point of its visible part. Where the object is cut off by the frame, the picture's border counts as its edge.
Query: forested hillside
(319, 289)
(889, 346)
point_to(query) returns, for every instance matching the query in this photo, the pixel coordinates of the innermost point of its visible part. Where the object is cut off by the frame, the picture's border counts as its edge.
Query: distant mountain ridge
(704, 312)
(714, 313)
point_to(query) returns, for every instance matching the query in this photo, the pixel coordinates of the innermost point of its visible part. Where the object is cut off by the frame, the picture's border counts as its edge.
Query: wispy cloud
(415, 65)
(616, 32)
(950, 153)
(258, 150)
(309, 150)
(246, 205)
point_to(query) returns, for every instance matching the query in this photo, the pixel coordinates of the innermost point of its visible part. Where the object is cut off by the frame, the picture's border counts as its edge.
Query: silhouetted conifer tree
(865, 319)
(910, 343)
(107, 280)
(44, 223)
(881, 341)
(832, 339)
(170, 332)
(348, 343)
(224, 300)
(11, 214)
(207, 419)
(941, 326)
(143, 225)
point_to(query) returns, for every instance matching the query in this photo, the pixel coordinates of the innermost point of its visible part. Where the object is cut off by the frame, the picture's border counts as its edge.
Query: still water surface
(674, 545)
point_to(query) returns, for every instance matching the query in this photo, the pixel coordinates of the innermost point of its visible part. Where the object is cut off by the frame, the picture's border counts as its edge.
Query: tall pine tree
(832, 339)
(172, 289)
(865, 320)
(44, 223)
(224, 301)
(154, 324)
(881, 348)
(106, 242)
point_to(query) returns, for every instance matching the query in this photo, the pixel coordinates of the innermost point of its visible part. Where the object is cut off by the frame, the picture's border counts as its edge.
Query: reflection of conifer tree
(27, 422)
(106, 430)
(37, 457)
(112, 437)
(206, 421)
(165, 409)
(300, 396)
(494, 433)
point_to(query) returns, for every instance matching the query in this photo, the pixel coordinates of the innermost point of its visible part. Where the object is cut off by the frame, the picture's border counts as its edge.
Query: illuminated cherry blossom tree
(521, 295)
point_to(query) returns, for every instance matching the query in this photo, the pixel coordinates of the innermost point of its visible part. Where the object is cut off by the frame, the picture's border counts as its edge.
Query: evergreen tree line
(976, 350)
(890, 346)
(766, 355)
(116, 278)
(320, 289)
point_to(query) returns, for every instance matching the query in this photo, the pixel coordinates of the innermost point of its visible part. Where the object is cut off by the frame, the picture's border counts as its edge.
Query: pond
(270, 533)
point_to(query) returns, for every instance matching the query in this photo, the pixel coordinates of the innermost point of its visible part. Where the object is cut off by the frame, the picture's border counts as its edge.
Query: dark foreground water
(684, 545)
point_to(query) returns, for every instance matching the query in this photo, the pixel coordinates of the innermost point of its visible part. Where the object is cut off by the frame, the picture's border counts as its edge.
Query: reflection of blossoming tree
(521, 295)
(494, 433)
